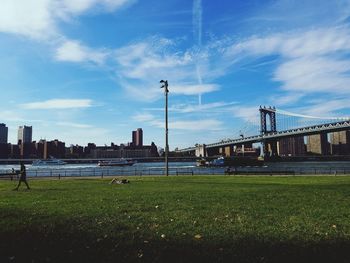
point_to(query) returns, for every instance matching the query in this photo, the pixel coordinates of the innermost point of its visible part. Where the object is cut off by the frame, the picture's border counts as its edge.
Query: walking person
(23, 177)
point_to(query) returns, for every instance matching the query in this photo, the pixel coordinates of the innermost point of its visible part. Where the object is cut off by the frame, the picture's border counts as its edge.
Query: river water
(177, 168)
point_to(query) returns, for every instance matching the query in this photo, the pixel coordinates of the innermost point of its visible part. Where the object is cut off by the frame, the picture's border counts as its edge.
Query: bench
(184, 172)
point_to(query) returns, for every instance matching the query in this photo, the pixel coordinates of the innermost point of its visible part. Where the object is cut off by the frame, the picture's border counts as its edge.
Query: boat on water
(45, 162)
(218, 162)
(231, 161)
(120, 162)
(202, 163)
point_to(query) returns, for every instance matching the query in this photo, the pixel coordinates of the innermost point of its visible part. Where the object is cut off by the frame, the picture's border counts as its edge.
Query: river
(177, 168)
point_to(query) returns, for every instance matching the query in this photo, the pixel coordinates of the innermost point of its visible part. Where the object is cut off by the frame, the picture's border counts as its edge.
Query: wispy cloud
(196, 108)
(74, 125)
(323, 108)
(11, 116)
(58, 104)
(312, 61)
(74, 51)
(247, 113)
(186, 125)
(194, 89)
(197, 125)
(141, 65)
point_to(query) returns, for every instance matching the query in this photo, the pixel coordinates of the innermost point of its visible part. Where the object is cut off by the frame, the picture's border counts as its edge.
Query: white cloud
(74, 51)
(58, 104)
(30, 18)
(74, 125)
(314, 74)
(324, 108)
(311, 61)
(144, 117)
(287, 99)
(38, 19)
(296, 44)
(80, 6)
(153, 58)
(248, 114)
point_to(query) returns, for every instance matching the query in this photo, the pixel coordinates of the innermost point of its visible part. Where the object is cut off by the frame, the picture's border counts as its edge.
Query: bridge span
(269, 135)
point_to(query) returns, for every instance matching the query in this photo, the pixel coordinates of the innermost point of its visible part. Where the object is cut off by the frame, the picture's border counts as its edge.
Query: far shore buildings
(44, 149)
(135, 149)
(334, 144)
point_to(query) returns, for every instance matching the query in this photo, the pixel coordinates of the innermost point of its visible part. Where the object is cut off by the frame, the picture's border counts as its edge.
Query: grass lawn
(177, 219)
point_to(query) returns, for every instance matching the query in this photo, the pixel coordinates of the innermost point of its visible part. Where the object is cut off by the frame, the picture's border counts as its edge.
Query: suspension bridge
(275, 128)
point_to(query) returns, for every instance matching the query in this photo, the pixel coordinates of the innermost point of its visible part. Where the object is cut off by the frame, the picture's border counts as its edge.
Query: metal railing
(105, 172)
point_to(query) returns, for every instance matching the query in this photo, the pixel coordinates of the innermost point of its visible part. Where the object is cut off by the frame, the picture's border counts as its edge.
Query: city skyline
(25, 135)
(89, 71)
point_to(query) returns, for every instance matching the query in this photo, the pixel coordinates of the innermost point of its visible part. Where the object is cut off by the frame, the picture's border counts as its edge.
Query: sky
(88, 70)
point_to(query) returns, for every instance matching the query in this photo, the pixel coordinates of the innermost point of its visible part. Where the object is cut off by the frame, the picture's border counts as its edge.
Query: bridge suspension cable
(344, 118)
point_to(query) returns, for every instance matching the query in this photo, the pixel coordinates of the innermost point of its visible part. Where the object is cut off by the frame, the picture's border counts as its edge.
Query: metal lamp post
(166, 91)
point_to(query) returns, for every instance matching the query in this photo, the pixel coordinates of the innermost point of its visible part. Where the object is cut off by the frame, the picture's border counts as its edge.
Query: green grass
(156, 219)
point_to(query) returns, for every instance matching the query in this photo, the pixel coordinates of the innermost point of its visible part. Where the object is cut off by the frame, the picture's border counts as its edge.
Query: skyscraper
(137, 137)
(25, 134)
(3, 133)
(133, 138)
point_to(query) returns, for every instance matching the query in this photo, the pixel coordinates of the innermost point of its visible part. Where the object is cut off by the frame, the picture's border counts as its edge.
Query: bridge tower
(268, 116)
(264, 113)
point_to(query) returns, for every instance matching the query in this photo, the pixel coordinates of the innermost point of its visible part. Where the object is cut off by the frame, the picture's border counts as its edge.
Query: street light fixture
(166, 91)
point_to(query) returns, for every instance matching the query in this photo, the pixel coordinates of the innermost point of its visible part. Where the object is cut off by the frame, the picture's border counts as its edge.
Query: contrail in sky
(197, 33)
(197, 21)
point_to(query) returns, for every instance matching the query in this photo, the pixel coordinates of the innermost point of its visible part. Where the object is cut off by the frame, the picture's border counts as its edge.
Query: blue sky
(88, 70)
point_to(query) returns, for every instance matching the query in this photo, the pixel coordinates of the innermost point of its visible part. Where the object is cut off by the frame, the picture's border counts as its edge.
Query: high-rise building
(293, 146)
(133, 138)
(3, 133)
(25, 134)
(318, 144)
(340, 143)
(137, 137)
(55, 148)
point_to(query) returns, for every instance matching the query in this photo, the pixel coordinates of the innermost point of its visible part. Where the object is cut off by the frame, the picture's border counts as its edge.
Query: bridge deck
(303, 131)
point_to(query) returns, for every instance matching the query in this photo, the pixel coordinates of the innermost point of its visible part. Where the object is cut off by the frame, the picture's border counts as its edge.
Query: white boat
(120, 162)
(51, 161)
